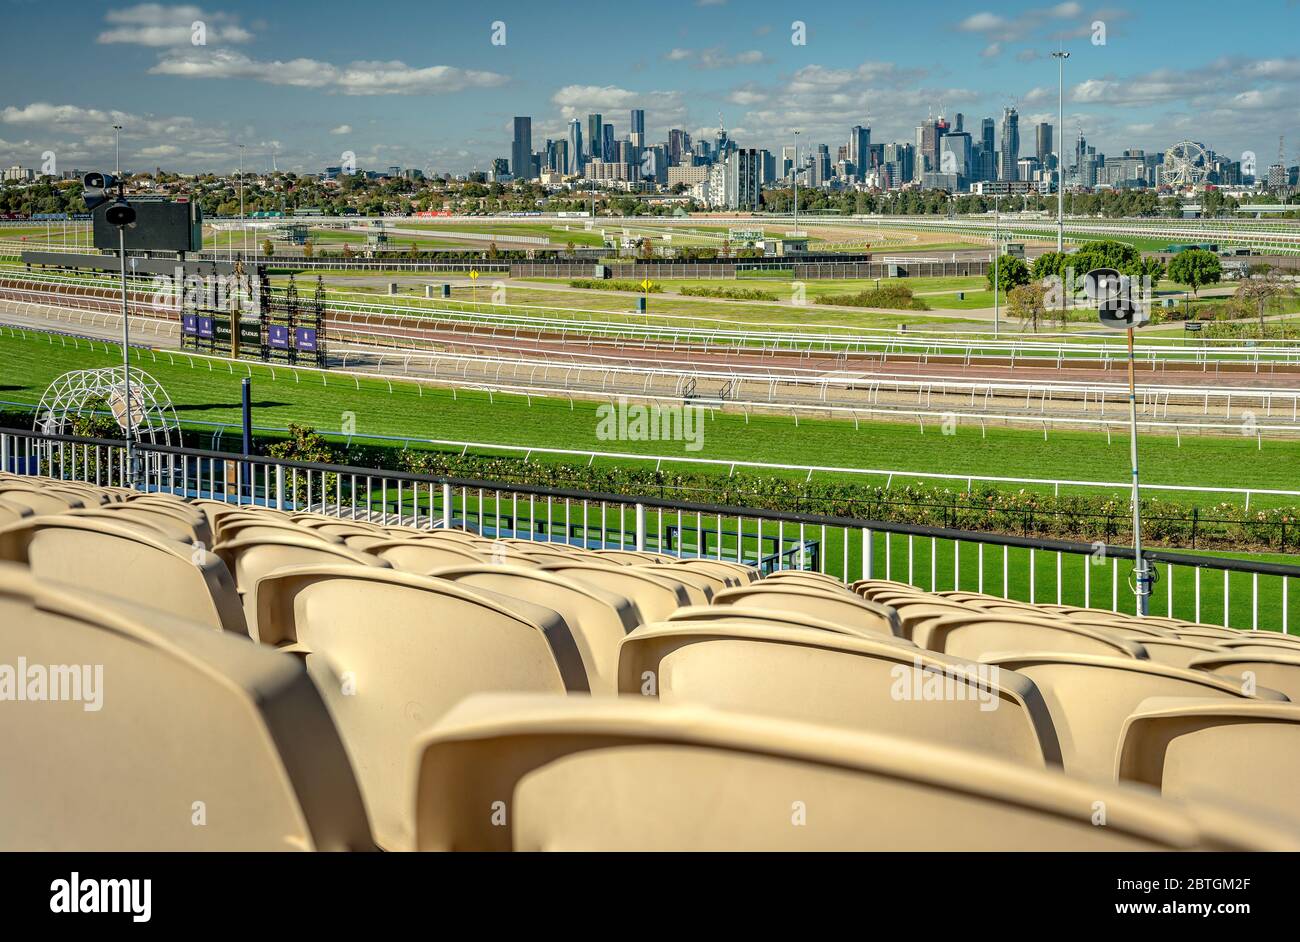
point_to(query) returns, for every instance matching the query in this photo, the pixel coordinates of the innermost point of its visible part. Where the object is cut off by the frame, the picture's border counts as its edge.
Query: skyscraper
(928, 136)
(988, 169)
(1010, 145)
(595, 137)
(609, 150)
(860, 150)
(679, 145)
(521, 150)
(575, 147)
(636, 128)
(1043, 140)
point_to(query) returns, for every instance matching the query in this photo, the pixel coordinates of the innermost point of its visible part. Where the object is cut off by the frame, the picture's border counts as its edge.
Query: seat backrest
(698, 587)
(39, 501)
(391, 652)
(271, 529)
(569, 773)
(841, 680)
(655, 598)
(176, 738)
(423, 555)
(250, 557)
(913, 612)
(978, 635)
(1280, 671)
(733, 574)
(598, 619)
(11, 512)
(1090, 697)
(1215, 748)
(626, 557)
(127, 562)
(183, 522)
(840, 607)
(1176, 652)
(1254, 641)
(746, 614)
(807, 577)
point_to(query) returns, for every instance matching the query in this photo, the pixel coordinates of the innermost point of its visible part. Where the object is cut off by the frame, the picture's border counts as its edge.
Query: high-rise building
(521, 150)
(988, 165)
(1010, 155)
(743, 179)
(636, 127)
(595, 137)
(787, 160)
(928, 136)
(955, 156)
(1043, 140)
(901, 157)
(608, 147)
(574, 165)
(860, 150)
(679, 145)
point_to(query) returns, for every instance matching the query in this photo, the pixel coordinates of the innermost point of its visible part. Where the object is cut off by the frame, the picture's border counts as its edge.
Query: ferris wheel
(1186, 165)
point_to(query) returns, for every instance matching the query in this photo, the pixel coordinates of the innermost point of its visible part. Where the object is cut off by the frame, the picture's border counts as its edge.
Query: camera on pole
(97, 189)
(1113, 292)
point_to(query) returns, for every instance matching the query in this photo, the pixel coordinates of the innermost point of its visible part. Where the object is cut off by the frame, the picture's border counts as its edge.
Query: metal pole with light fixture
(1060, 57)
(795, 234)
(997, 252)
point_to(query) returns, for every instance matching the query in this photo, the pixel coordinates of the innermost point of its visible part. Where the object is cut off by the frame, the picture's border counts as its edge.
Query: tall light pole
(242, 228)
(1060, 57)
(795, 171)
(997, 252)
(117, 141)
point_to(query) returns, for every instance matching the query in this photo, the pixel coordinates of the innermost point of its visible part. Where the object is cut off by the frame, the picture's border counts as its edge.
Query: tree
(493, 251)
(1263, 289)
(1049, 264)
(1027, 304)
(268, 248)
(1012, 272)
(1194, 268)
(347, 250)
(307, 249)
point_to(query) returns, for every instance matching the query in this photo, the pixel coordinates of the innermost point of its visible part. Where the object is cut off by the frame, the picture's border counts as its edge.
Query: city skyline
(411, 88)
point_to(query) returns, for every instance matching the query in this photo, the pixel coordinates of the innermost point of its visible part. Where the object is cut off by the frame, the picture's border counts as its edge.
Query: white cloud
(342, 129)
(715, 57)
(577, 101)
(153, 24)
(357, 78)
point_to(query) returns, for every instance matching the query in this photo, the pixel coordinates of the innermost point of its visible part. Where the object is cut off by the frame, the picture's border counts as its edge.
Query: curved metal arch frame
(153, 417)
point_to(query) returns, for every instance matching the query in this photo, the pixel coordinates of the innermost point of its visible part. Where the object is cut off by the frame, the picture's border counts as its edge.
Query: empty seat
(127, 562)
(556, 773)
(1280, 671)
(841, 680)
(1176, 652)
(743, 614)
(203, 742)
(980, 634)
(1266, 641)
(845, 608)
(185, 528)
(598, 618)
(251, 557)
(1090, 697)
(423, 555)
(655, 598)
(627, 557)
(1215, 748)
(699, 588)
(39, 501)
(391, 652)
(913, 612)
(11, 512)
(734, 574)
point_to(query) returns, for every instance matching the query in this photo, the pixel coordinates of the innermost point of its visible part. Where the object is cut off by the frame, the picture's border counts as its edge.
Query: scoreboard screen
(160, 226)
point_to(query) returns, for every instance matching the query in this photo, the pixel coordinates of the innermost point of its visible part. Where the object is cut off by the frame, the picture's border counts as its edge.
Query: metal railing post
(446, 506)
(279, 487)
(640, 528)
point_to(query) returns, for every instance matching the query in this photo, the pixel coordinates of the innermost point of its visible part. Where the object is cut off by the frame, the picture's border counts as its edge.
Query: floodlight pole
(1060, 57)
(997, 251)
(126, 363)
(795, 234)
(1142, 589)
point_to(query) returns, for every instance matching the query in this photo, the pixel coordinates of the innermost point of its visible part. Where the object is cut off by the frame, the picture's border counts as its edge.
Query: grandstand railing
(1247, 593)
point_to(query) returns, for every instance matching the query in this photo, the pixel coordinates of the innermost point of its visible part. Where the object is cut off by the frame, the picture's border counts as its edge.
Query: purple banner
(205, 327)
(305, 339)
(190, 324)
(277, 336)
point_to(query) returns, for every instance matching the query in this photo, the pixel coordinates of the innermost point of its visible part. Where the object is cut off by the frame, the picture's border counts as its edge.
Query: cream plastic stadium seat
(1189, 748)
(598, 618)
(867, 588)
(627, 557)
(734, 573)
(89, 495)
(188, 716)
(914, 612)
(1090, 696)
(127, 562)
(655, 598)
(1280, 671)
(841, 607)
(710, 581)
(572, 773)
(1257, 641)
(807, 577)
(1211, 633)
(423, 555)
(347, 528)
(698, 587)
(391, 652)
(11, 512)
(741, 614)
(1176, 652)
(980, 634)
(840, 680)
(39, 501)
(179, 523)
(270, 528)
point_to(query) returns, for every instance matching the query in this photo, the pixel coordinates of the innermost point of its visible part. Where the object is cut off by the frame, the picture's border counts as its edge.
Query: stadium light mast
(243, 227)
(117, 151)
(1060, 56)
(997, 252)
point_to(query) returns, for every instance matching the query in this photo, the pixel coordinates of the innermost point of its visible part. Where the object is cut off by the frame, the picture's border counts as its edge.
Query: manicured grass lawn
(208, 391)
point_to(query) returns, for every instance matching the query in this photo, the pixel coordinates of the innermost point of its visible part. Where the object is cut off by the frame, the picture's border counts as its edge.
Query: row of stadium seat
(294, 680)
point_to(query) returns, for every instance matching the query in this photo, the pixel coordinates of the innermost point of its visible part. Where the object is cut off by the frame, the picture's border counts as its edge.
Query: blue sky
(422, 84)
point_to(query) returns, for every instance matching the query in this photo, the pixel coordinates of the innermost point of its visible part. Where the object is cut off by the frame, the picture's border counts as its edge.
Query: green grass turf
(209, 392)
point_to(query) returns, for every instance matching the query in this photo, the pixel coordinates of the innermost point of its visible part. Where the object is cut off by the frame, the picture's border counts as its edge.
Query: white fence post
(640, 528)
(446, 506)
(279, 487)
